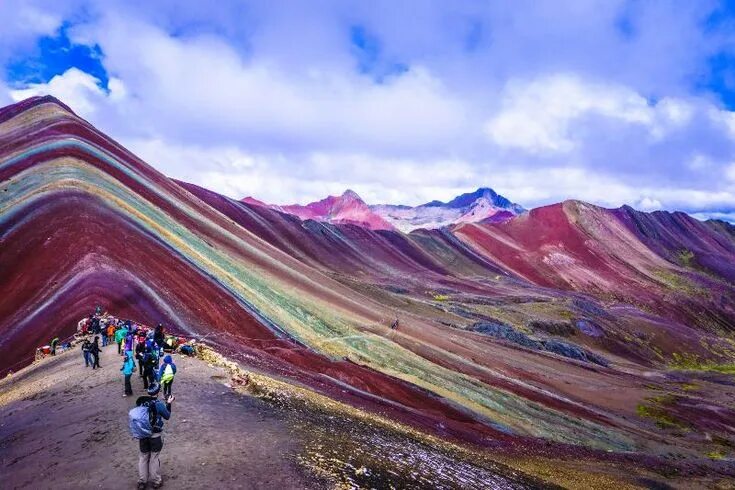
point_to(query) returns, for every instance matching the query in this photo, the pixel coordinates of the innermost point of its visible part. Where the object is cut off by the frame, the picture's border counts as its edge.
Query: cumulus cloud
(78, 89)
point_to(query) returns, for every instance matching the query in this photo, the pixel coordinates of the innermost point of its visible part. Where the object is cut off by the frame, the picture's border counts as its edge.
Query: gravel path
(65, 426)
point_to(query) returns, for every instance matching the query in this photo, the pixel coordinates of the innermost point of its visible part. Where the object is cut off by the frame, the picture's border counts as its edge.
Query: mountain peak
(350, 194)
(13, 110)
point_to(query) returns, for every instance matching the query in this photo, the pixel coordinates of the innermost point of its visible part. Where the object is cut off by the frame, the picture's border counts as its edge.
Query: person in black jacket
(150, 360)
(94, 351)
(139, 353)
(158, 335)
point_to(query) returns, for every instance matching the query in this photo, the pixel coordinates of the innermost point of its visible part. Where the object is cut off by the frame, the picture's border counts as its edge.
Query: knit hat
(154, 389)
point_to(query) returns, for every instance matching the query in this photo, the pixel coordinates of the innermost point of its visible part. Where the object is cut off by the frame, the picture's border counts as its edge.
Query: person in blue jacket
(149, 464)
(166, 374)
(128, 368)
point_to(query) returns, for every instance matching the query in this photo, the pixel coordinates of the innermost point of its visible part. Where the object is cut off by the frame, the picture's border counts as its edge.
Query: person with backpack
(86, 346)
(128, 368)
(119, 337)
(150, 361)
(166, 375)
(94, 351)
(146, 425)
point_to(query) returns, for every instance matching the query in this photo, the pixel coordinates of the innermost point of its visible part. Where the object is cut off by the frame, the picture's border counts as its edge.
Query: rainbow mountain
(567, 331)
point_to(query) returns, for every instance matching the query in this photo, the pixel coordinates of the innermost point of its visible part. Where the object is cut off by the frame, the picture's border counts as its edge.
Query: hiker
(394, 326)
(128, 368)
(158, 336)
(119, 337)
(103, 332)
(86, 346)
(139, 352)
(111, 332)
(54, 342)
(166, 375)
(146, 425)
(82, 326)
(95, 352)
(129, 343)
(150, 362)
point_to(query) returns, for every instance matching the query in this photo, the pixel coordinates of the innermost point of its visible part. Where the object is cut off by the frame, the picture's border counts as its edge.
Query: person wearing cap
(149, 463)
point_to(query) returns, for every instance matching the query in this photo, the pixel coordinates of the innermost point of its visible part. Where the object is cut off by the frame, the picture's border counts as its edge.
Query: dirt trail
(65, 426)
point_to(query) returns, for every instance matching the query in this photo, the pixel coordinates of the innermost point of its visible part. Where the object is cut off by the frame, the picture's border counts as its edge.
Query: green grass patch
(681, 283)
(685, 257)
(654, 408)
(716, 455)
(692, 362)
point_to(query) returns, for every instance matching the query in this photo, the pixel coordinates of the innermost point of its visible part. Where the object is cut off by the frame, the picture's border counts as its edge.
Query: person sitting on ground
(86, 347)
(95, 352)
(149, 464)
(128, 368)
(166, 375)
(119, 337)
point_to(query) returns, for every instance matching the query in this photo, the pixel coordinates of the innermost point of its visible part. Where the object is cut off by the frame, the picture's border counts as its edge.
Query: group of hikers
(156, 368)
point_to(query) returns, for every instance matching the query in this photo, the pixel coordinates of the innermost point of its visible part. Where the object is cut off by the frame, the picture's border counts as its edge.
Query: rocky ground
(65, 426)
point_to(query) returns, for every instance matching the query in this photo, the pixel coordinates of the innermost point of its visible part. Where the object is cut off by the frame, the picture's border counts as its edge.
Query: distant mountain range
(483, 205)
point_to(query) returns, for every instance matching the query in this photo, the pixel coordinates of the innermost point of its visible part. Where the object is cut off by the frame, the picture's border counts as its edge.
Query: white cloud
(539, 116)
(79, 90)
(201, 89)
(648, 204)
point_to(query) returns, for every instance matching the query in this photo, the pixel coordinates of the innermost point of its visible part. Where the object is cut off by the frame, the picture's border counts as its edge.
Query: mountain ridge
(350, 208)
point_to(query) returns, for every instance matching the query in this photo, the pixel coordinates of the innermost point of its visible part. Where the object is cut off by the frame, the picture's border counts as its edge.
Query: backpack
(168, 374)
(142, 418)
(187, 349)
(150, 360)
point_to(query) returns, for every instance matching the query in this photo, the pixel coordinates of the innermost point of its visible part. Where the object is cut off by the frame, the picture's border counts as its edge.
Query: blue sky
(610, 102)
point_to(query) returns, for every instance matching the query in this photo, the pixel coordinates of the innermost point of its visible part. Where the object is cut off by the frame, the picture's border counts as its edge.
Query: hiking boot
(141, 485)
(158, 485)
